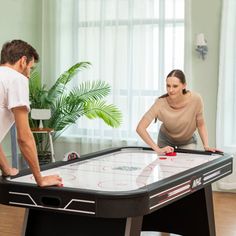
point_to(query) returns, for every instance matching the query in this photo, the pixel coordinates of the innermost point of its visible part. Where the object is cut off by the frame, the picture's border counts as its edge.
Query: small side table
(48, 131)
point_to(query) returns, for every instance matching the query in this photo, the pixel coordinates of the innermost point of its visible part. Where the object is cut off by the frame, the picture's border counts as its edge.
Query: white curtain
(188, 43)
(226, 108)
(132, 44)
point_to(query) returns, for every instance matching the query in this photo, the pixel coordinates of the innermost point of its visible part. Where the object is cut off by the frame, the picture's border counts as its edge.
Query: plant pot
(44, 158)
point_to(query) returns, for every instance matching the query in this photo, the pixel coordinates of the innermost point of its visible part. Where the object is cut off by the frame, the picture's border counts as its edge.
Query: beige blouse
(178, 124)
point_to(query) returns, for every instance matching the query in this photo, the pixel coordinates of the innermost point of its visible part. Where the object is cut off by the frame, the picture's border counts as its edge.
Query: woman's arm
(202, 130)
(142, 131)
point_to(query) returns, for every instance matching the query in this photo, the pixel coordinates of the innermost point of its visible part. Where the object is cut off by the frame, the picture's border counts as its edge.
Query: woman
(181, 113)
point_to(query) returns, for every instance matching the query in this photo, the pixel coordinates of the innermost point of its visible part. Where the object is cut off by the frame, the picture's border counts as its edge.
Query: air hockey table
(121, 191)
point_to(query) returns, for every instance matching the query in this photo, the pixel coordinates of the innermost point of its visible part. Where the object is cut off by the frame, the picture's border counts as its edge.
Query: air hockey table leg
(192, 215)
(133, 226)
(23, 231)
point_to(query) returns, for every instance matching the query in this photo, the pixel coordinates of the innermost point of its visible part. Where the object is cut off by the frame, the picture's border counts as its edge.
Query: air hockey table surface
(119, 182)
(124, 170)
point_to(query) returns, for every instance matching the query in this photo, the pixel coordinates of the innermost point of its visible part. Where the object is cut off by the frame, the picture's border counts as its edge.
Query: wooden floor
(11, 218)
(225, 213)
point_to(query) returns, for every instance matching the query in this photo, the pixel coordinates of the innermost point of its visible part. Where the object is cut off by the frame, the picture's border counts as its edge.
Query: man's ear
(23, 61)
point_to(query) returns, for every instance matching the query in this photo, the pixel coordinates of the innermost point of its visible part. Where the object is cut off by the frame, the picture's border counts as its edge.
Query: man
(17, 59)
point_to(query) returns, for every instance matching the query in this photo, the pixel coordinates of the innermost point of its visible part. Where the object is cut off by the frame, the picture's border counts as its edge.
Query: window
(132, 44)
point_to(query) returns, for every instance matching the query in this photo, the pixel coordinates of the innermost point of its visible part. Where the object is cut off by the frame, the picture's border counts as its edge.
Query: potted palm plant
(67, 103)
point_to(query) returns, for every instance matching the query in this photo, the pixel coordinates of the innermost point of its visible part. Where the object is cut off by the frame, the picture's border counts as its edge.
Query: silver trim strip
(176, 191)
(24, 194)
(217, 177)
(78, 200)
(169, 199)
(216, 173)
(157, 194)
(218, 168)
(61, 209)
(34, 204)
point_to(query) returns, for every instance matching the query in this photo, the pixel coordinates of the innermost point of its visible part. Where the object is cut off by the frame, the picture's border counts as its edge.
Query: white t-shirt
(14, 92)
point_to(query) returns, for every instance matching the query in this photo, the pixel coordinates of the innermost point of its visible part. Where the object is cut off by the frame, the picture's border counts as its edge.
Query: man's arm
(6, 169)
(28, 148)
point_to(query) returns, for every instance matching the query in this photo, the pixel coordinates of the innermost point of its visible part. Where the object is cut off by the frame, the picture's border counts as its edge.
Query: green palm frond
(37, 92)
(59, 87)
(108, 113)
(67, 76)
(35, 77)
(65, 111)
(72, 71)
(91, 91)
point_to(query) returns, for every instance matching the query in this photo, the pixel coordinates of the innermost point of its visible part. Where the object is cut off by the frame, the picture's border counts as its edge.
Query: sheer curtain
(132, 44)
(226, 109)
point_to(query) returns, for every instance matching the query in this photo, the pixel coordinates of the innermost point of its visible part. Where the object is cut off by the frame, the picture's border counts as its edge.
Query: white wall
(20, 19)
(206, 18)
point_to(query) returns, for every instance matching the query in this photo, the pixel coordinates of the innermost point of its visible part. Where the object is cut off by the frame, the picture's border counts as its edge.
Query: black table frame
(180, 204)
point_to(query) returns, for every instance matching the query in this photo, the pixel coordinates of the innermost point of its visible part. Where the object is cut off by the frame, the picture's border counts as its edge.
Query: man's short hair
(12, 51)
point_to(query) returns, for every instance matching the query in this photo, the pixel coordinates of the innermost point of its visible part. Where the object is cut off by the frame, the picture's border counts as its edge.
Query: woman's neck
(178, 102)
